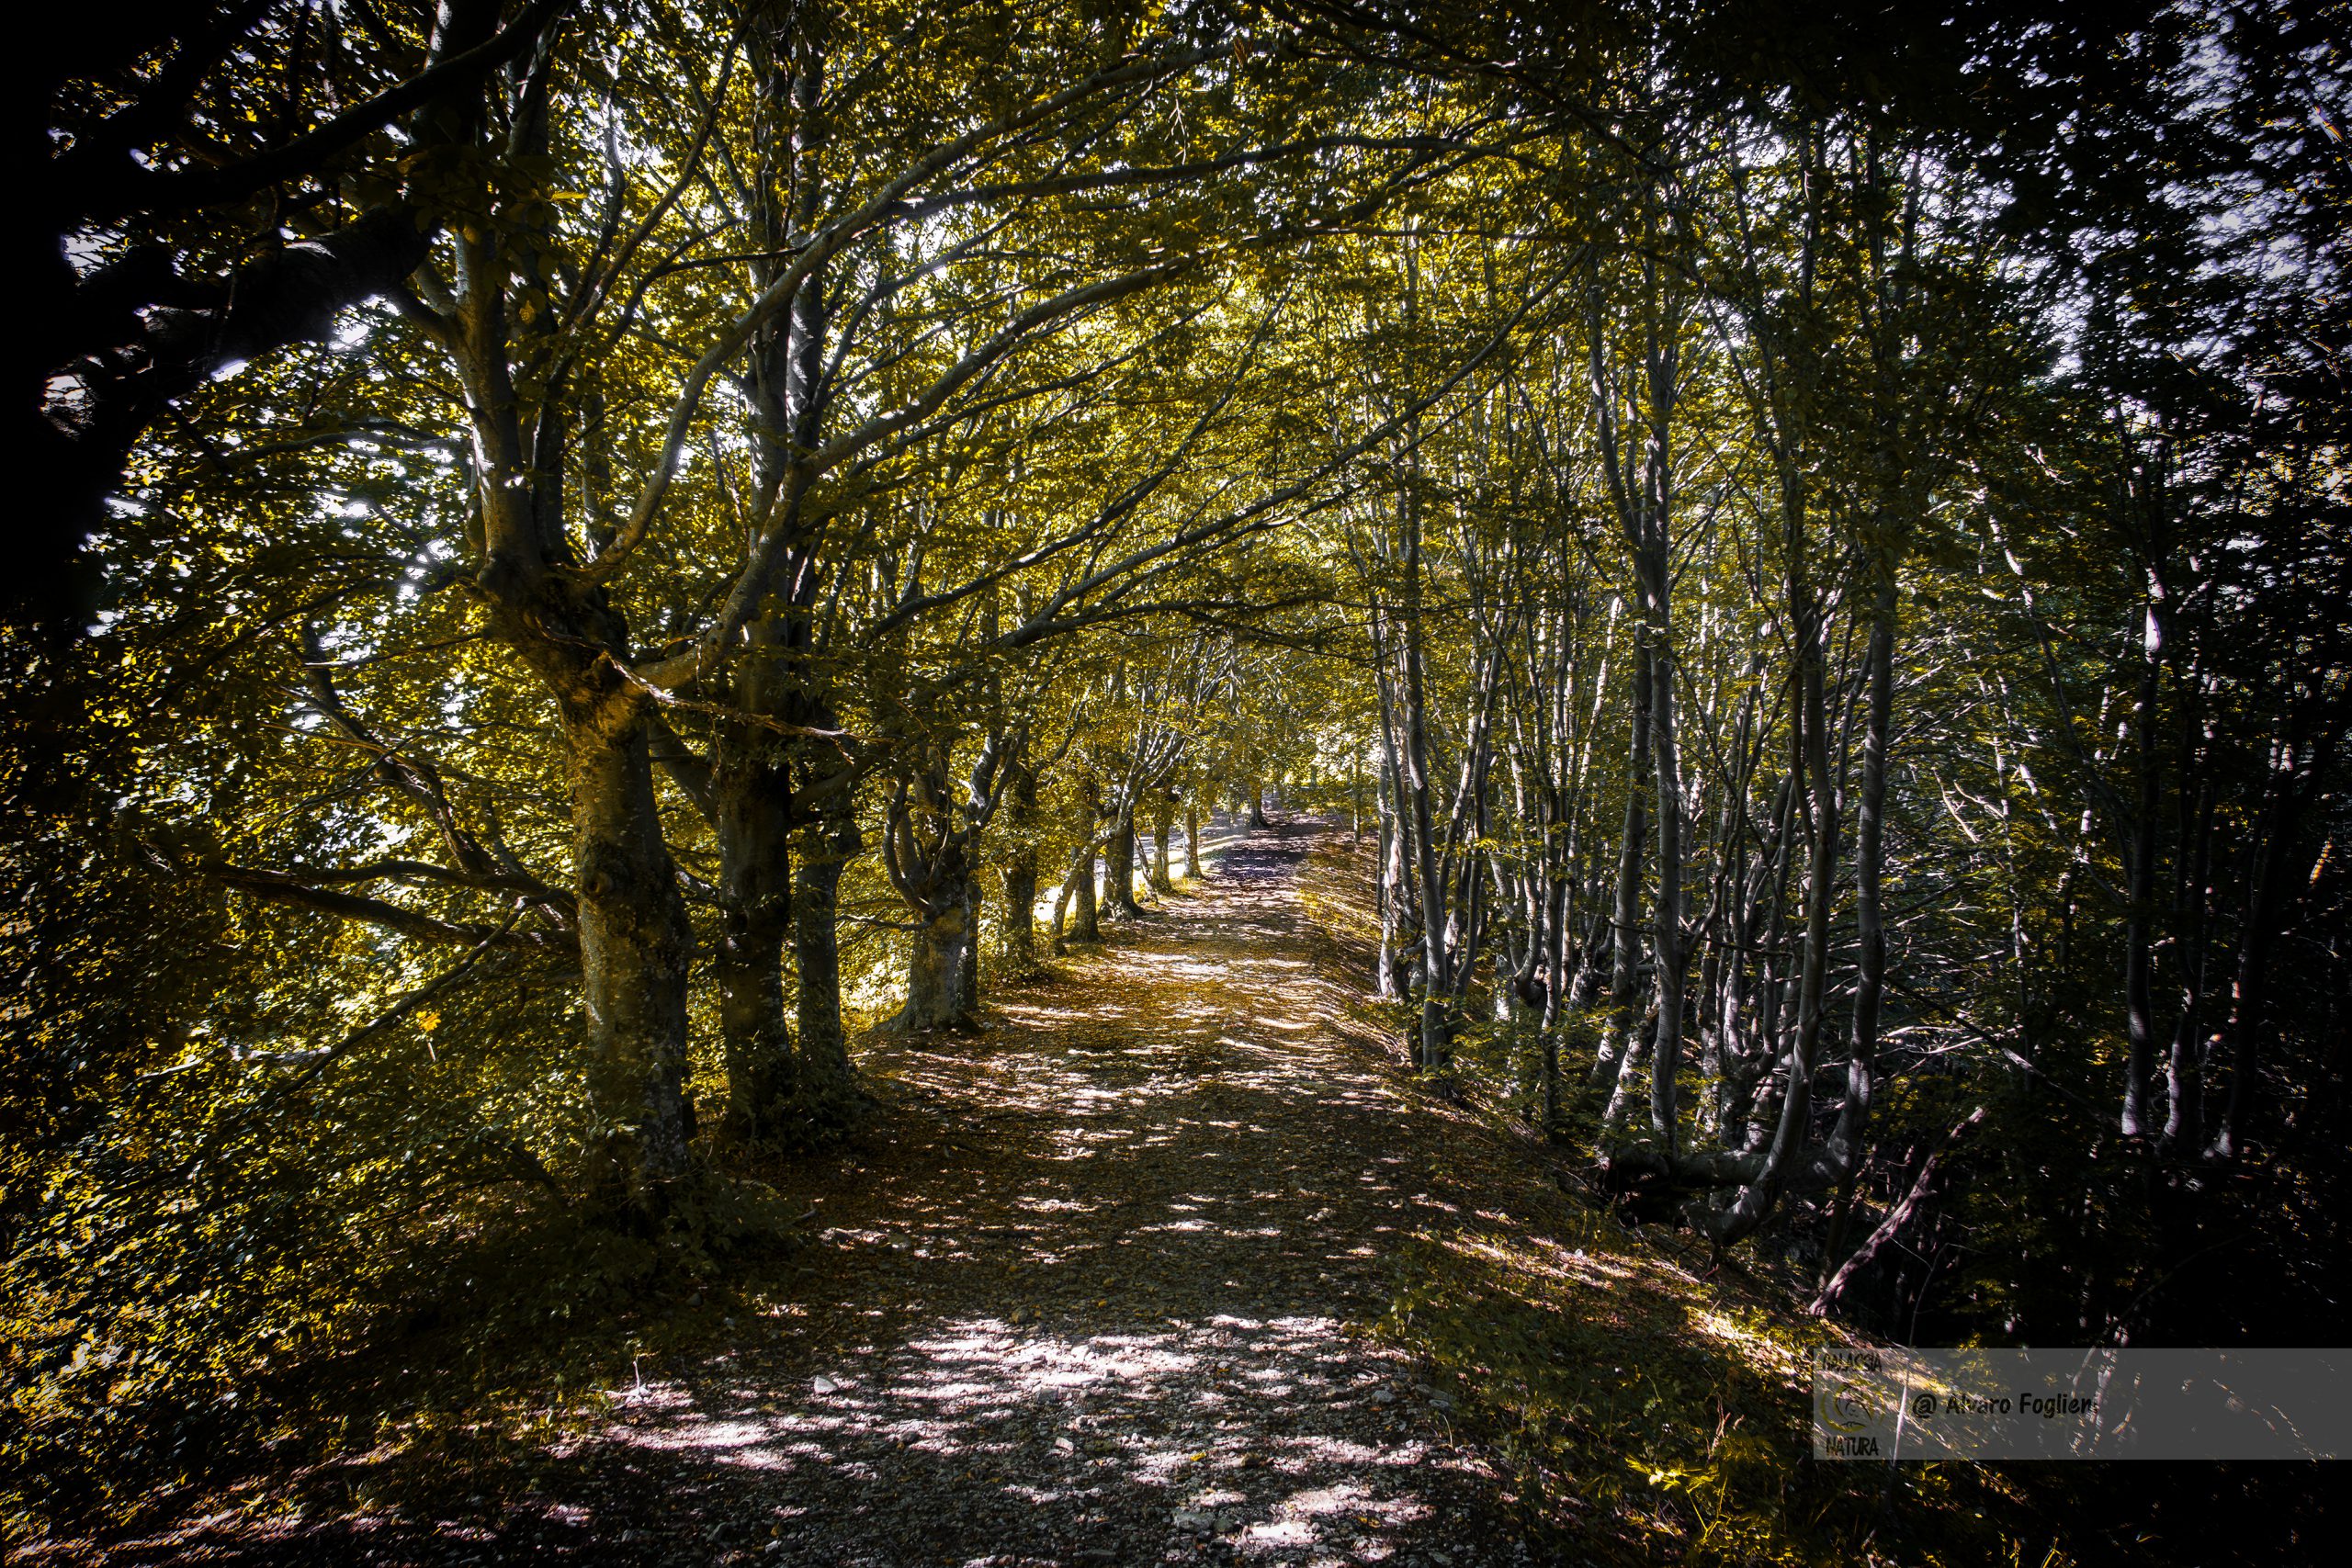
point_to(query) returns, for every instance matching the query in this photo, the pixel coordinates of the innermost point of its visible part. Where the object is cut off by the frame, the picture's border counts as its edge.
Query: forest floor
(1174, 1261)
(1106, 1300)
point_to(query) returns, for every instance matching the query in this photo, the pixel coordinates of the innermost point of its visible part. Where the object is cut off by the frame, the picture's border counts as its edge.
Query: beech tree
(585, 557)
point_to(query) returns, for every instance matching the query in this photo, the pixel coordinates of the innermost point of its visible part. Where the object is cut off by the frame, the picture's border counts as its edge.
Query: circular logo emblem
(1844, 1399)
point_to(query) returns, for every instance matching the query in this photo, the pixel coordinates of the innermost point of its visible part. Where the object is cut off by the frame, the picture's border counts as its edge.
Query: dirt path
(1097, 1293)
(1121, 1321)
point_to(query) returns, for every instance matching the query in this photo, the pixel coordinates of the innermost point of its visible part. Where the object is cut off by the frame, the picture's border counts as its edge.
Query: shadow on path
(1099, 1297)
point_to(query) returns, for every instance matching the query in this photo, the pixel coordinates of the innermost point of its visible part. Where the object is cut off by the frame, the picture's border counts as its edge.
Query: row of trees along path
(1104, 1298)
(1104, 1286)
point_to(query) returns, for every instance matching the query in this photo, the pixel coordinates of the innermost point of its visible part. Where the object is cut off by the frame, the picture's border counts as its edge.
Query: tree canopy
(583, 554)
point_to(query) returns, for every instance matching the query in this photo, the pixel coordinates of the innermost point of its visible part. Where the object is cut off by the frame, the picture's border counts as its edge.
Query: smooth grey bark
(931, 853)
(1119, 863)
(942, 966)
(828, 1095)
(1389, 982)
(1437, 1020)
(1714, 971)
(1773, 1018)
(1163, 823)
(1077, 889)
(1447, 881)
(1672, 954)
(782, 811)
(635, 949)
(1870, 875)
(1086, 921)
(1020, 875)
(1784, 410)
(968, 1001)
(635, 943)
(751, 804)
(1728, 1222)
(2140, 890)
(1845, 1153)
(1617, 1033)
(1643, 495)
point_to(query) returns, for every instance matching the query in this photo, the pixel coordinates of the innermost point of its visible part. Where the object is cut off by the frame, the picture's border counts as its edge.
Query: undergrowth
(1647, 1405)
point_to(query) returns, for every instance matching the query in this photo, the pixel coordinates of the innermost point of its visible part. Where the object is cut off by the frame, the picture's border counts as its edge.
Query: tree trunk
(1437, 1020)
(2185, 1066)
(2138, 1007)
(941, 967)
(1617, 1033)
(635, 948)
(635, 945)
(2300, 766)
(1086, 921)
(750, 809)
(1870, 926)
(829, 1093)
(1666, 940)
(1163, 823)
(1896, 1218)
(2265, 883)
(969, 997)
(1193, 837)
(1119, 863)
(1551, 1086)
(1389, 982)
(1810, 756)
(1021, 878)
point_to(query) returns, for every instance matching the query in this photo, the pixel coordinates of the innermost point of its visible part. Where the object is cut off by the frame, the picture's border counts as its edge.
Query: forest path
(1099, 1297)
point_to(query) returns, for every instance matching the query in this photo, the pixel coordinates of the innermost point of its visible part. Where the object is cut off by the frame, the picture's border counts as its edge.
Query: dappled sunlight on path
(1114, 1308)
(1099, 1284)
